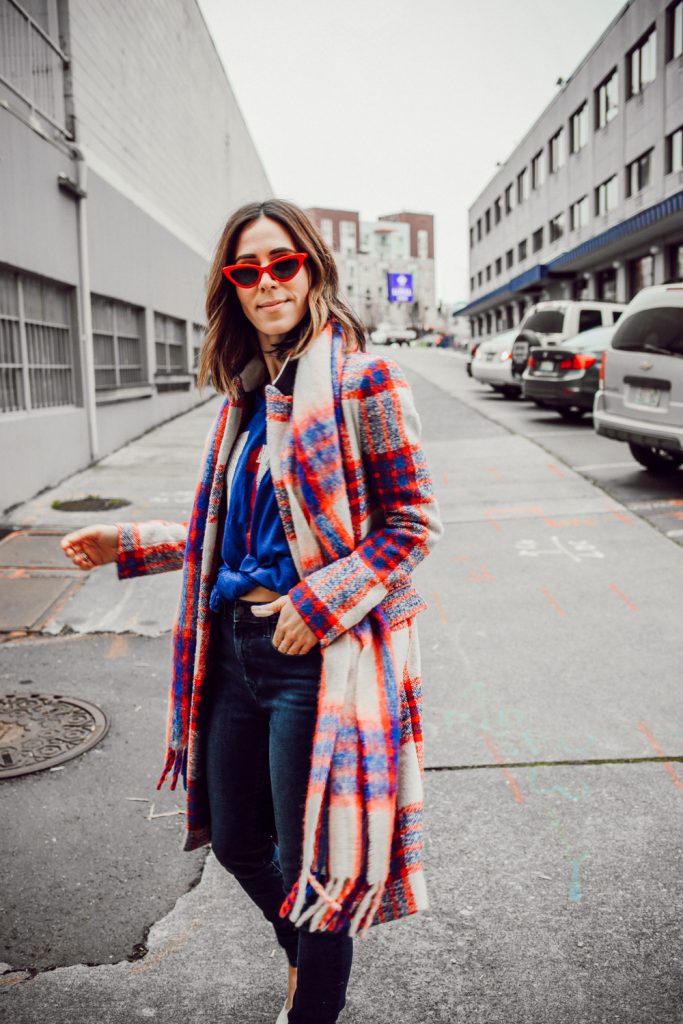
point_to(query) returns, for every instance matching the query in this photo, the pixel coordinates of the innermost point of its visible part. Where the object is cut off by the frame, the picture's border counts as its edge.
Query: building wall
(642, 122)
(156, 115)
(168, 156)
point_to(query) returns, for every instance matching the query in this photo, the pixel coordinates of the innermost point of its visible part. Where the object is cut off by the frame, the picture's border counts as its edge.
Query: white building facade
(125, 153)
(366, 252)
(590, 204)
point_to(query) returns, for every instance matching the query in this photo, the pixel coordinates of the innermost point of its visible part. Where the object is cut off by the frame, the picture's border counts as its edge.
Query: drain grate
(91, 503)
(39, 731)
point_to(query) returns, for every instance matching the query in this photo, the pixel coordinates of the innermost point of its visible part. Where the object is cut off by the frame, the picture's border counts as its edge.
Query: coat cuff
(315, 614)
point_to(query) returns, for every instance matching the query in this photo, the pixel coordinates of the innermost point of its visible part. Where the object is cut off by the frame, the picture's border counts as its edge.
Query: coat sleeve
(334, 598)
(150, 547)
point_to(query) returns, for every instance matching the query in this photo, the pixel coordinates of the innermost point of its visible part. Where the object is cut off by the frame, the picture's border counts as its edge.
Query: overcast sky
(388, 105)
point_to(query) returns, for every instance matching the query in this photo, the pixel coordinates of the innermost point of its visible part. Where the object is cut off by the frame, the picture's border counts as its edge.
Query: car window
(616, 313)
(546, 321)
(589, 318)
(651, 330)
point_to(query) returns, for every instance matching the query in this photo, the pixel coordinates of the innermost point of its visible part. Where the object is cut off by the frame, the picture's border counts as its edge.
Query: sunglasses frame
(298, 256)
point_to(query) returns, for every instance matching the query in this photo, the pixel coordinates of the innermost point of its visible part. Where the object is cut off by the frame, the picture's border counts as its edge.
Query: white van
(549, 323)
(640, 400)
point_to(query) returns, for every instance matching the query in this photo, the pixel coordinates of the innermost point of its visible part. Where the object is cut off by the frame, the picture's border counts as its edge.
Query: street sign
(400, 287)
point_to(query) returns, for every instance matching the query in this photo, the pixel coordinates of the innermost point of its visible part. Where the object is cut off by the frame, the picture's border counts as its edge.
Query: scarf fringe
(176, 760)
(342, 904)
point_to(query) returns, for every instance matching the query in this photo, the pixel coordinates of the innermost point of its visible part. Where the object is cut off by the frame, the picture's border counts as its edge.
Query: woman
(294, 715)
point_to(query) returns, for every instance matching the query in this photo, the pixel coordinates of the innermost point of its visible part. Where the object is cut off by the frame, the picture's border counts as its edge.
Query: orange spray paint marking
(495, 472)
(622, 597)
(117, 647)
(445, 478)
(623, 517)
(481, 575)
(440, 607)
(660, 753)
(555, 469)
(549, 597)
(491, 516)
(17, 574)
(499, 759)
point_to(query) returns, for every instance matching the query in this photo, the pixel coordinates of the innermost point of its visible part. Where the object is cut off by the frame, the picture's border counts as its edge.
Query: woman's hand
(91, 546)
(292, 635)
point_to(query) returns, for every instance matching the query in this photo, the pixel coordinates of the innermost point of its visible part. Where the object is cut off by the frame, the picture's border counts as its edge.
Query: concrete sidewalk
(551, 663)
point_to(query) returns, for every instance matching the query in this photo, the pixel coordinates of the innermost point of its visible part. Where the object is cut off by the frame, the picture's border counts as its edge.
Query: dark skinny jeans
(262, 713)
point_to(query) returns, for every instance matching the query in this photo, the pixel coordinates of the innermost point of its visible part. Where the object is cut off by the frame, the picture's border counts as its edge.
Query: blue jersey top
(255, 549)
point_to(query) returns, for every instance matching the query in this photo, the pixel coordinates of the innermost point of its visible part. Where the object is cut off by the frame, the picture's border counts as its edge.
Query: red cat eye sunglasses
(283, 268)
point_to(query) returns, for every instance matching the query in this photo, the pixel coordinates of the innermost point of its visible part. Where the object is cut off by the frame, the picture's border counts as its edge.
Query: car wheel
(511, 392)
(469, 369)
(572, 415)
(657, 460)
(541, 404)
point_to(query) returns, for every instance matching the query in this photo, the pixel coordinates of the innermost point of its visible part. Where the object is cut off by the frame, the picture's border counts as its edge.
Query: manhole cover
(39, 730)
(91, 503)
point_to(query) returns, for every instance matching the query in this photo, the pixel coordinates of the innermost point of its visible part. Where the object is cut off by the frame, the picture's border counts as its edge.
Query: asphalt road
(551, 655)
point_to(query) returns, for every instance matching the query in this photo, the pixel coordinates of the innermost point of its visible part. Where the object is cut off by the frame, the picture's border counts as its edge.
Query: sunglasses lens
(245, 276)
(285, 268)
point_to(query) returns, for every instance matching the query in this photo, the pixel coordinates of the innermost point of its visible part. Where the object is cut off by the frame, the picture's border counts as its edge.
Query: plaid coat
(393, 524)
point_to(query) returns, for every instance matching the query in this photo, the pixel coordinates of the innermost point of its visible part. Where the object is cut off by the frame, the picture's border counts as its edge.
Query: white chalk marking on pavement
(607, 465)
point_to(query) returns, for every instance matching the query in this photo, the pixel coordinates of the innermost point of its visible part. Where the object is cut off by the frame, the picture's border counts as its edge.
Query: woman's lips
(273, 305)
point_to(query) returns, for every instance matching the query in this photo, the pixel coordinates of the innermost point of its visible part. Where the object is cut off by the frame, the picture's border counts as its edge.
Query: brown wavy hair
(231, 339)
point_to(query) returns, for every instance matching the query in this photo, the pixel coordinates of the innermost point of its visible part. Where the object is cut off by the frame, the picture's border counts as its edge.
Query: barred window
(117, 343)
(37, 343)
(169, 344)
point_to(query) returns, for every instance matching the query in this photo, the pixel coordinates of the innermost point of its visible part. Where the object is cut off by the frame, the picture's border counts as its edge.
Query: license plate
(489, 357)
(520, 350)
(547, 365)
(647, 396)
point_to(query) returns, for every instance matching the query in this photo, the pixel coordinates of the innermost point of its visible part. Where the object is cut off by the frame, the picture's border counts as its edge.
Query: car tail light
(602, 369)
(531, 363)
(579, 361)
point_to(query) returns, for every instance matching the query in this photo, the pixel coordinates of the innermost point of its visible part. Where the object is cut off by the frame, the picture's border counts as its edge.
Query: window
(660, 328)
(578, 128)
(578, 214)
(556, 227)
(169, 344)
(638, 174)
(499, 266)
(117, 343)
(479, 278)
(589, 318)
(497, 212)
(607, 285)
(487, 220)
(641, 63)
(606, 196)
(509, 258)
(675, 261)
(37, 343)
(471, 284)
(523, 185)
(641, 274)
(537, 240)
(580, 288)
(674, 150)
(347, 237)
(556, 151)
(521, 250)
(607, 99)
(537, 170)
(510, 194)
(479, 230)
(674, 30)
(471, 238)
(422, 244)
(198, 335)
(327, 231)
(488, 272)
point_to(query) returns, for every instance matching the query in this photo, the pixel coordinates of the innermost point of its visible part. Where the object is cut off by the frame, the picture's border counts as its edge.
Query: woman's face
(273, 307)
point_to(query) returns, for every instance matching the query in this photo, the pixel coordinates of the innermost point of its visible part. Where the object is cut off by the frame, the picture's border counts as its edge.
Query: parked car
(472, 347)
(640, 400)
(550, 323)
(386, 333)
(565, 377)
(492, 364)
